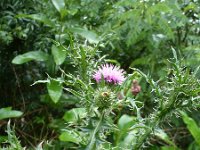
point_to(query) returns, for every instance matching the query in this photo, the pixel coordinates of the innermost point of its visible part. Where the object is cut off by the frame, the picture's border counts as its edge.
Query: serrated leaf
(68, 136)
(59, 54)
(29, 56)
(74, 114)
(162, 135)
(8, 113)
(55, 90)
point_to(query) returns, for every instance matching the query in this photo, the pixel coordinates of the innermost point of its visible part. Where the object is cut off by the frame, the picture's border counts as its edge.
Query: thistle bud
(103, 98)
(136, 88)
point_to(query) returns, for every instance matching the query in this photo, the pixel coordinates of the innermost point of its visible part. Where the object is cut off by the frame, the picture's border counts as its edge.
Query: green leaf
(174, 54)
(125, 136)
(74, 114)
(38, 17)
(91, 36)
(55, 90)
(168, 148)
(68, 136)
(59, 54)
(162, 135)
(29, 56)
(8, 113)
(192, 127)
(60, 6)
(125, 122)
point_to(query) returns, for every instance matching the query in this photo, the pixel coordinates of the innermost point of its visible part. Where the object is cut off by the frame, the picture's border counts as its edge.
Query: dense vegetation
(86, 74)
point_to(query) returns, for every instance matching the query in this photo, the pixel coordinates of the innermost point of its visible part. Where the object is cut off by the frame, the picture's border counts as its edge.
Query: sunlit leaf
(89, 35)
(125, 122)
(55, 90)
(74, 114)
(8, 113)
(29, 56)
(60, 6)
(68, 136)
(59, 54)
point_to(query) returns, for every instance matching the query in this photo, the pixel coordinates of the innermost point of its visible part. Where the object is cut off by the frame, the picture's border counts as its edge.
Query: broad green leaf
(125, 122)
(8, 113)
(29, 56)
(192, 127)
(91, 36)
(38, 17)
(55, 90)
(60, 6)
(68, 136)
(59, 54)
(74, 114)
(124, 136)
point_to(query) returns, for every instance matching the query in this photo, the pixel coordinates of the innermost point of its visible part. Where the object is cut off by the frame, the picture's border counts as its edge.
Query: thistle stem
(93, 137)
(147, 134)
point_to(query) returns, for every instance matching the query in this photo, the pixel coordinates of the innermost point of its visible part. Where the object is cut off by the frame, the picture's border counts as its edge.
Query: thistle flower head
(110, 73)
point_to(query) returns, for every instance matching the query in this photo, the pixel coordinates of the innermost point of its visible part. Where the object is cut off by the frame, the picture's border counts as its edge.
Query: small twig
(24, 135)
(18, 84)
(34, 111)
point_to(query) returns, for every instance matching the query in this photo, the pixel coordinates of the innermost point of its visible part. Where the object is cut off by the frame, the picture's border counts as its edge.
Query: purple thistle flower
(110, 73)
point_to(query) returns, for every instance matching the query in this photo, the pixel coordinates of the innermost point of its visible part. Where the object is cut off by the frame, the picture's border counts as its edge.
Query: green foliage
(12, 140)
(59, 54)
(9, 113)
(29, 56)
(74, 115)
(68, 136)
(192, 127)
(55, 90)
(61, 43)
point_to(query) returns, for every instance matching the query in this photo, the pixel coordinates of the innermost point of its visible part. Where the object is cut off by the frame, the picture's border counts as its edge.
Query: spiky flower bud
(104, 98)
(136, 88)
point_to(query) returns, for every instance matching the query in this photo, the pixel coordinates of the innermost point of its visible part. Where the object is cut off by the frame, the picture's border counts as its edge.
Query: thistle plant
(103, 99)
(105, 92)
(181, 92)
